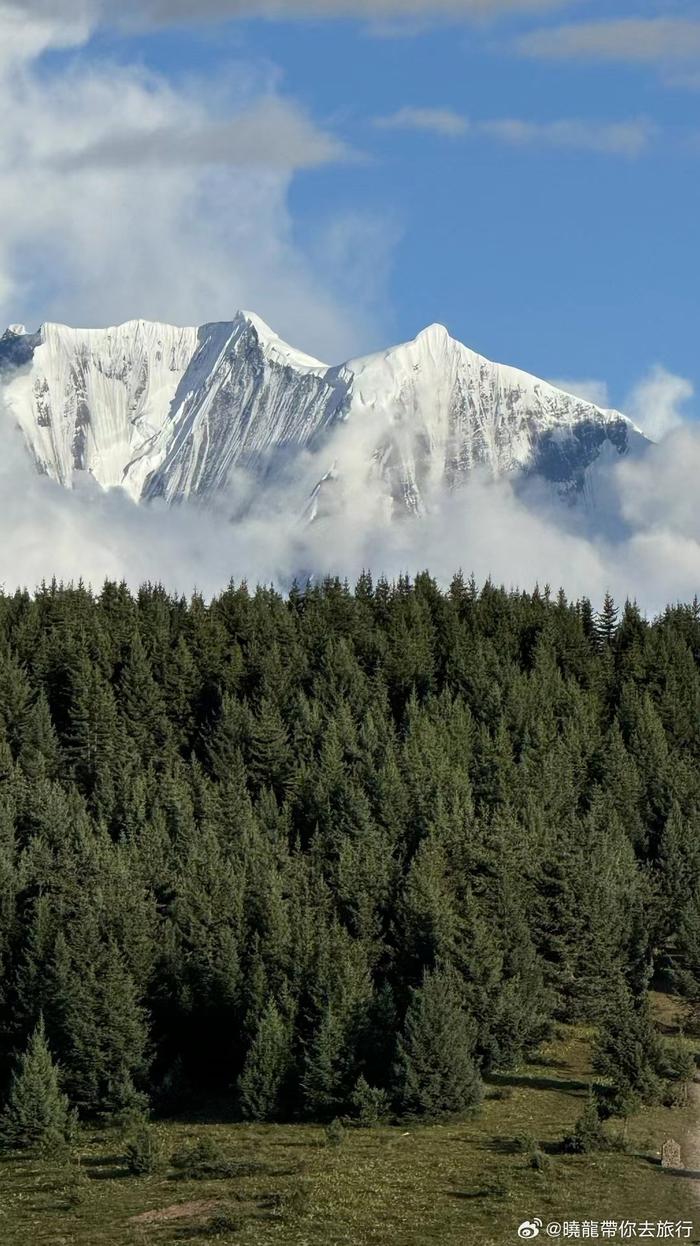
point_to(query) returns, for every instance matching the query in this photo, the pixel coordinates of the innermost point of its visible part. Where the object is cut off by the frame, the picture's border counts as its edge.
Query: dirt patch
(178, 1211)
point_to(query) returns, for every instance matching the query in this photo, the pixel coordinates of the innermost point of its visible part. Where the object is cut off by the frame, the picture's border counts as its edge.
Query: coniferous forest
(340, 852)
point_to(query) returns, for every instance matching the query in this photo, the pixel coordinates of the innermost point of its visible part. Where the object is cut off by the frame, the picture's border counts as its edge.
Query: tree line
(343, 851)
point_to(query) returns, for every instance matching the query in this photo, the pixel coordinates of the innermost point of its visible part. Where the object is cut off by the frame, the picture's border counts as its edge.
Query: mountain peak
(175, 413)
(435, 332)
(14, 330)
(272, 342)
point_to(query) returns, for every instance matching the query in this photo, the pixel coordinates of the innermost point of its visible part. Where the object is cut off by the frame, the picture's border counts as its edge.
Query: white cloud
(617, 138)
(433, 120)
(185, 11)
(660, 41)
(658, 404)
(122, 195)
(641, 537)
(622, 138)
(590, 390)
(271, 133)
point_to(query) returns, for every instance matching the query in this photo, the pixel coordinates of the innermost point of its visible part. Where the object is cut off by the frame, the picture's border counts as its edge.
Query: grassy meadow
(468, 1181)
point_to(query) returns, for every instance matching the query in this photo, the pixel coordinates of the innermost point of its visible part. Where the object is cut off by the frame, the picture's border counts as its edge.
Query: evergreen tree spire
(437, 1074)
(267, 1064)
(37, 1115)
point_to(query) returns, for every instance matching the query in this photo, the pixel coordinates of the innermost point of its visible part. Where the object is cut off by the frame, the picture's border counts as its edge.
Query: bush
(624, 1103)
(335, 1133)
(223, 1221)
(588, 1132)
(539, 1161)
(143, 1154)
(296, 1202)
(203, 1151)
(370, 1103)
(501, 1094)
(679, 1062)
(77, 1187)
(618, 1141)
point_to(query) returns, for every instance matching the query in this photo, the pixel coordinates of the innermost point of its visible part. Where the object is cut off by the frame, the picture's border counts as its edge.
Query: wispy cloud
(659, 403)
(432, 120)
(184, 11)
(620, 138)
(672, 44)
(592, 391)
(272, 133)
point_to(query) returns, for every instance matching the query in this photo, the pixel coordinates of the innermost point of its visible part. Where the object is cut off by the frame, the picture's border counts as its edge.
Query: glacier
(229, 410)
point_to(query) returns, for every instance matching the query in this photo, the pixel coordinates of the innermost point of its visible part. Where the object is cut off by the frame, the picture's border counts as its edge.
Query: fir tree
(628, 1050)
(37, 1115)
(606, 622)
(436, 1072)
(267, 1064)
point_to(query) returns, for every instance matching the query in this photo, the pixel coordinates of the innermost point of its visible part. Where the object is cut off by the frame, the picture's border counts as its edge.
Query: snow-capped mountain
(177, 414)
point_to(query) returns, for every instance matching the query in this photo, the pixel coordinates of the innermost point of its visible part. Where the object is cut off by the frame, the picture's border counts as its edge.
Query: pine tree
(324, 1079)
(267, 1064)
(436, 1070)
(37, 1115)
(99, 1025)
(606, 622)
(39, 752)
(270, 763)
(628, 1049)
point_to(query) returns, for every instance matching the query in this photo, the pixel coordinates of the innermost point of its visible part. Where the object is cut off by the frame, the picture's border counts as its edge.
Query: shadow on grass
(104, 1167)
(535, 1082)
(101, 1161)
(692, 1173)
(229, 1170)
(548, 1062)
(516, 1146)
(487, 1191)
(110, 1174)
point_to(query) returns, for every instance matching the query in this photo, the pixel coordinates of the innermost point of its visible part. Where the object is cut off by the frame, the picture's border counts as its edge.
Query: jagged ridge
(175, 413)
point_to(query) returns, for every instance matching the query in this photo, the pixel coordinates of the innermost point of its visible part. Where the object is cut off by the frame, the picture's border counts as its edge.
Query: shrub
(500, 1094)
(143, 1152)
(224, 1221)
(370, 1103)
(539, 1160)
(335, 1133)
(679, 1069)
(203, 1151)
(296, 1202)
(76, 1188)
(588, 1132)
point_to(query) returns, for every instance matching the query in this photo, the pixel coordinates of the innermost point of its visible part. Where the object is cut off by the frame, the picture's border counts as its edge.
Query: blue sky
(530, 181)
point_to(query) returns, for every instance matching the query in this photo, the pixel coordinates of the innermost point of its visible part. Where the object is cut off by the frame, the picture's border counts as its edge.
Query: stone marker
(671, 1156)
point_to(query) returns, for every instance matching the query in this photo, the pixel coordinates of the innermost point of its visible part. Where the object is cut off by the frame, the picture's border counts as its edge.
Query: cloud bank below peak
(641, 538)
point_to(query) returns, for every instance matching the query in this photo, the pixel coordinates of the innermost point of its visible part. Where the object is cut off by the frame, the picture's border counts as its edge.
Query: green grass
(454, 1184)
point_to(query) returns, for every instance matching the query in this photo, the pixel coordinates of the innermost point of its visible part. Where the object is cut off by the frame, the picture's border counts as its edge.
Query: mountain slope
(179, 414)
